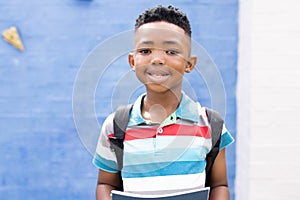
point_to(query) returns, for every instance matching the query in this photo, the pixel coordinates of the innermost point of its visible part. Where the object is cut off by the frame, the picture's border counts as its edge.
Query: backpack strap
(120, 122)
(216, 124)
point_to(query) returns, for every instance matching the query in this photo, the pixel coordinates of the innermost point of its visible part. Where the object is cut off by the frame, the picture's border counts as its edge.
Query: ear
(191, 63)
(131, 61)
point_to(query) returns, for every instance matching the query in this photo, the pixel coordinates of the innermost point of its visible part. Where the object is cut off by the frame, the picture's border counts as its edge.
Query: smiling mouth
(157, 77)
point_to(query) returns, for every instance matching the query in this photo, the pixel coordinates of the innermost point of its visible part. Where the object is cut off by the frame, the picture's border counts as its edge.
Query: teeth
(158, 75)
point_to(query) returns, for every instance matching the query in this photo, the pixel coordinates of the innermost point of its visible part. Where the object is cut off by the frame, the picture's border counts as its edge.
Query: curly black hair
(168, 14)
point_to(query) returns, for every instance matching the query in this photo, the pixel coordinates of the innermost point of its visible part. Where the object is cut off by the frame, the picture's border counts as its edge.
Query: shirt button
(160, 130)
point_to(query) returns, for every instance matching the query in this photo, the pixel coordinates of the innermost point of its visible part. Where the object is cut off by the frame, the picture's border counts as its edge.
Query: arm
(106, 183)
(219, 182)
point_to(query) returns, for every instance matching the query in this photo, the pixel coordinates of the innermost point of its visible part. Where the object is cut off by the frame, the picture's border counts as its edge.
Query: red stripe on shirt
(187, 130)
(171, 130)
(140, 133)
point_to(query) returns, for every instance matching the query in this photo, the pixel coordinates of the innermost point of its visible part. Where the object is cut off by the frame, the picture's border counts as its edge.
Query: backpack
(120, 122)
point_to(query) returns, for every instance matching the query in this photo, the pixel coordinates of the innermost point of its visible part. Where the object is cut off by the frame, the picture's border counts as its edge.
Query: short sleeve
(226, 138)
(104, 157)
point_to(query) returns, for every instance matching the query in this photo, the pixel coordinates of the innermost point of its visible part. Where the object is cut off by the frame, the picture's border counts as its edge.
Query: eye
(172, 52)
(144, 51)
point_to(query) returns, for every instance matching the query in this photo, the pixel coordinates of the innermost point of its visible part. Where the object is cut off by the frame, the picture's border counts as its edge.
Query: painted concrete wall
(42, 155)
(268, 100)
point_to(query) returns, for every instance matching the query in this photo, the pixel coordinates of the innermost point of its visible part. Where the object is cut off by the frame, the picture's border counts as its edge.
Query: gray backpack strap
(216, 124)
(121, 119)
(120, 122)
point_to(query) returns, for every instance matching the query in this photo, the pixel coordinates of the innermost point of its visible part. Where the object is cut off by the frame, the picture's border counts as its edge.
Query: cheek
(140, 70)
(141, 60)
(179, 66)
(140, 74)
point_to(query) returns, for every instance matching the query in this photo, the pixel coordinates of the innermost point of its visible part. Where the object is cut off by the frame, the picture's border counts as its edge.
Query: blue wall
(42, 156)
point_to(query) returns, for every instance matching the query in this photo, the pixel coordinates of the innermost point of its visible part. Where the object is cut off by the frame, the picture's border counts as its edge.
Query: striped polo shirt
(161, 158)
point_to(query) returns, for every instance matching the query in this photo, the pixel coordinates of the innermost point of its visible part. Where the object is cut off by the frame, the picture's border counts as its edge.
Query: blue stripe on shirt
(165, 155)
(163, 169)
(226, 139)
(104, 164)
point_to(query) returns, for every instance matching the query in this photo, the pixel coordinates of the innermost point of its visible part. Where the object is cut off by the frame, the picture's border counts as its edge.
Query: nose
(158, 57)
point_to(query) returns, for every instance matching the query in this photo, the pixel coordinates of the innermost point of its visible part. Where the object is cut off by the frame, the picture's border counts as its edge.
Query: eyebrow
(164, 42)
(170, 42)
(147, 42)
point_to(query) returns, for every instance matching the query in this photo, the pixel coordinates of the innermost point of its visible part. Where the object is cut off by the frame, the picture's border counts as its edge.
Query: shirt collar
(136, 115)
(187, 110)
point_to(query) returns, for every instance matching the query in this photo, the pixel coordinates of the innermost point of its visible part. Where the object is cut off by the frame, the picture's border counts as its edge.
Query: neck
(158, 106)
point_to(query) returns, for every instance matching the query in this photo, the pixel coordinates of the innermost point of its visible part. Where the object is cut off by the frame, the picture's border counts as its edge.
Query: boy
(168, 134)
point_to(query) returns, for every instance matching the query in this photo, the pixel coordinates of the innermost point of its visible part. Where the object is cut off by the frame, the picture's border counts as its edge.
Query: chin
(157, 88)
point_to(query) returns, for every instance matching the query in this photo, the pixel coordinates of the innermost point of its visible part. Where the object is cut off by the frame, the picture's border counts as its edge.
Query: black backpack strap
(120, 122)
(216, 124)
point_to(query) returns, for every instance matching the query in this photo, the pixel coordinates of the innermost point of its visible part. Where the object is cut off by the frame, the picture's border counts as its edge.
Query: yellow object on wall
(11, 35)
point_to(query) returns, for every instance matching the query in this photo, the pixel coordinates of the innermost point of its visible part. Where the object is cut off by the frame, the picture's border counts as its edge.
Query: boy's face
(161, 56)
